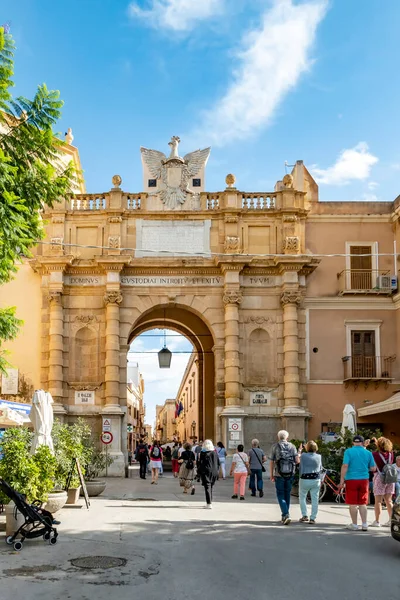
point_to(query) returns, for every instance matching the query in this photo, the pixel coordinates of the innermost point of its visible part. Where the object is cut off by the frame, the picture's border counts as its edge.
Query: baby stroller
(38, 522)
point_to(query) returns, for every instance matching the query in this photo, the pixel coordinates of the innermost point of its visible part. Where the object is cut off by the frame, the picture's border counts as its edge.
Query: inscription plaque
(172, 238)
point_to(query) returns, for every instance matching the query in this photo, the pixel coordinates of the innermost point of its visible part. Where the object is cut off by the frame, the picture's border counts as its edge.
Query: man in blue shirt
(357, 464)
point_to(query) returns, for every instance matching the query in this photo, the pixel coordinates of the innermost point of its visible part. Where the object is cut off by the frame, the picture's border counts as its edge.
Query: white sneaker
(375, 524)
(208, 506)
(388, 524)
(353, 527)
(364, 527)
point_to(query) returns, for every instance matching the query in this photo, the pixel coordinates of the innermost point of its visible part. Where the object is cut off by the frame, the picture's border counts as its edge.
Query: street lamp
(165, 355)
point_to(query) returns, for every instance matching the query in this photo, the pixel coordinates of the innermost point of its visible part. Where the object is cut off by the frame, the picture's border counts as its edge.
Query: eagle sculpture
(174, 173)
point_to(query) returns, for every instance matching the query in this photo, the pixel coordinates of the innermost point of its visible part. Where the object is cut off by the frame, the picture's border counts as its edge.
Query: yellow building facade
(284, 335)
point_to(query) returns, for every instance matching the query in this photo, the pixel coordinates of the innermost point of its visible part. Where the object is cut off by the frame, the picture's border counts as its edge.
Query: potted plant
(31, 475)
(70, 442)
(97, 465)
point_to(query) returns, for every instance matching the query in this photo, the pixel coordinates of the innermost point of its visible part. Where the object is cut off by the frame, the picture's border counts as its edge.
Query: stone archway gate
(236, 262)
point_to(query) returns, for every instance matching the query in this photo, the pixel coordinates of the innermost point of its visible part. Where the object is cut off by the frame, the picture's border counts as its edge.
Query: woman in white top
(239, 470)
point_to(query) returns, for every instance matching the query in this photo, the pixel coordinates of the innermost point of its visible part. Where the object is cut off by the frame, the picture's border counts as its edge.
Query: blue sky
(261, 81)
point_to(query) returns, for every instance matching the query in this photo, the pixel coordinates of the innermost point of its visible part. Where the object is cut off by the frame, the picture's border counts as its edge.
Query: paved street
(174, 549)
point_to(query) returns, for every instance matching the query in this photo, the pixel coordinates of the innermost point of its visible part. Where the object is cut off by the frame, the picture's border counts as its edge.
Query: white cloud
(395, 166)
(178, 15)
(270, 62)
(352, 164)
(372, 185)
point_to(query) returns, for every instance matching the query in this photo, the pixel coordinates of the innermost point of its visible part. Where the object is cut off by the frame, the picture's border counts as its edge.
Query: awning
(10, 418)
(392, 403)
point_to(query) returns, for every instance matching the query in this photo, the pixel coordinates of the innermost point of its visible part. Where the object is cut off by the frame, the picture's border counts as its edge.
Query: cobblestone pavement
(173, 549)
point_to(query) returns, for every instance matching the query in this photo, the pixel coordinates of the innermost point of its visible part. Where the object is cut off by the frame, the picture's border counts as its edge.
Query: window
(361, 265)
(152, 183)
(361, 268)
(363, 354)
(196, 183)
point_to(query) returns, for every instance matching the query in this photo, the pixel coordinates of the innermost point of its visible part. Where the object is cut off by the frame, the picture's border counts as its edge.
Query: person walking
(187, 469)
(383, 490)
(155, 461)
(257, 458)
(175, 461)
(283, 460)
(208, 470)
(357, 464)
(222, 458)
(240, 470)
(142, 456)
(310, 481)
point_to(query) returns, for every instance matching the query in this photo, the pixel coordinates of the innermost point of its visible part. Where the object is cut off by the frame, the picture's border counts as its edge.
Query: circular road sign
(107, 437)
(234, 426)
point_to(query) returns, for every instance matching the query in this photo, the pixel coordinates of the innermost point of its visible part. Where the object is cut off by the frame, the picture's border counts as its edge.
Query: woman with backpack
(155, 461)
(187, 468)
(174, 459)
(383, 490)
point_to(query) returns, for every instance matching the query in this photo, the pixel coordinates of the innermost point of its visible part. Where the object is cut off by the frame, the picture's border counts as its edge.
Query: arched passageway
(190, 325)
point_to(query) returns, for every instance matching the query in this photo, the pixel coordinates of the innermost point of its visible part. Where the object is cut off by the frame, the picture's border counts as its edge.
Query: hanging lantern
(165, 355)
(164, 358)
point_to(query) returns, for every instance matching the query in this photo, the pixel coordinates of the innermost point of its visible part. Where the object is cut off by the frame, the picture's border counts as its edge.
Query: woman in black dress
(208, 469)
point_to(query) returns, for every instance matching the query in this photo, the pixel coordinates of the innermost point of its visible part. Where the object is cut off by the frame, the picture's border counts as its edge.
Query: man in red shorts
(357, 464)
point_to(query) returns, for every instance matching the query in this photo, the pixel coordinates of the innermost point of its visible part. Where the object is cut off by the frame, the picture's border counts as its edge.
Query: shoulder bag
(248, 468)
(258, 458)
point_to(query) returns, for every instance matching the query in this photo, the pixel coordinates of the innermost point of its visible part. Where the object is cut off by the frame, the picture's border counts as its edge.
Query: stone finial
(69, 138)
(230, 181)
(116, 181)
(288, 181)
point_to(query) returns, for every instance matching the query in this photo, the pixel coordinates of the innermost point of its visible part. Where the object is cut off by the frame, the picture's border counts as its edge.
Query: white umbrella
(349, 419)
(41, 416)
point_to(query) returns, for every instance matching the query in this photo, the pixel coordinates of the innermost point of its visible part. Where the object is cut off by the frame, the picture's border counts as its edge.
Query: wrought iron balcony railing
(368, 367)
(360, 281)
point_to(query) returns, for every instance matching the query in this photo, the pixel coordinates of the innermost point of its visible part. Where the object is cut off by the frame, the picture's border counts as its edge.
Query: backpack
(155, 452)
(389, 471)
(285, 462)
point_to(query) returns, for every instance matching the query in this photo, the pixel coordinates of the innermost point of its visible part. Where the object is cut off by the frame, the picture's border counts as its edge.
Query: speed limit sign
(107, 437)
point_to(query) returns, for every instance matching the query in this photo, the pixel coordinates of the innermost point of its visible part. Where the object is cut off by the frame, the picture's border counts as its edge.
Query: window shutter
(361, 267)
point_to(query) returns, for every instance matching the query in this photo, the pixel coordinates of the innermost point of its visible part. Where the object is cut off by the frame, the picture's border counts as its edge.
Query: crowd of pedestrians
(203, 463)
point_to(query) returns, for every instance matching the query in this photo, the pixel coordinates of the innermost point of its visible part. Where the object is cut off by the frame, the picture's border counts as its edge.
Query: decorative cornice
(233, 297)
(113, 298)
(291, 297)
(259, 320)
(84, 387)
(86, 319)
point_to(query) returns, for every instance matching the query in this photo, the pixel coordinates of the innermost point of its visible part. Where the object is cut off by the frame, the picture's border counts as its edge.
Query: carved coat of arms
(174, 173)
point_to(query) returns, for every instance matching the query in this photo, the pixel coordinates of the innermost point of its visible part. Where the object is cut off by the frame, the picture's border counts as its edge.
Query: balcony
(368, 369)
(358, 281)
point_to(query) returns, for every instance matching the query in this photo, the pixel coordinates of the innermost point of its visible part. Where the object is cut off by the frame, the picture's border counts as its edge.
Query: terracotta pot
(56, 500)
(95, 487)
(73, 495)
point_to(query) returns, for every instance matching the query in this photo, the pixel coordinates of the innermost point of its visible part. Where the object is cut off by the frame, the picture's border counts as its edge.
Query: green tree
(32, 175)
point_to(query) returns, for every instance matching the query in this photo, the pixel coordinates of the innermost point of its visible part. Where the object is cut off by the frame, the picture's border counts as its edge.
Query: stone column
(112, 409)
(232, 300)
(290, 301)
(56, 341)
(219, 390)
(112, 301)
